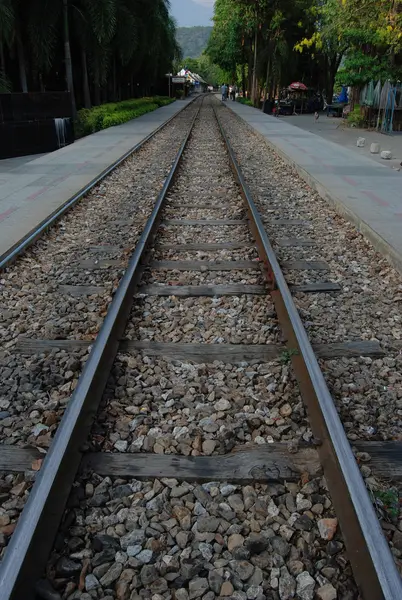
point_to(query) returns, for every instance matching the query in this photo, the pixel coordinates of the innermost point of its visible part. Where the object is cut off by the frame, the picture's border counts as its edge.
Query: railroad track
(163, 319)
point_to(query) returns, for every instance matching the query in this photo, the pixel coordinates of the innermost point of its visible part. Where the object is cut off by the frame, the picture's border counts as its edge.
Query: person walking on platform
(224, 91)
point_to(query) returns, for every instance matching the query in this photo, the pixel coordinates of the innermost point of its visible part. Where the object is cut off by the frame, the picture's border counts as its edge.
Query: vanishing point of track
(372, 562)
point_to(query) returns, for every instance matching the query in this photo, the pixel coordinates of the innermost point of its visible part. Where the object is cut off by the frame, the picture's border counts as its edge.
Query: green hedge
(90, 120)
(244, 101)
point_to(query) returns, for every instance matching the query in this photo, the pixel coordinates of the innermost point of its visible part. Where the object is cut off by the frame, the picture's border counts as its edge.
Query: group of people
(228, 92)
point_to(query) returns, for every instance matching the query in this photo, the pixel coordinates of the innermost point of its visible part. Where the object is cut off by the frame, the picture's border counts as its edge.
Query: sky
(192, 12)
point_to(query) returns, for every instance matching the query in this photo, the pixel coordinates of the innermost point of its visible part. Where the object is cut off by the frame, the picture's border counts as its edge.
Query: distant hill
(191, 12)
(193, 40)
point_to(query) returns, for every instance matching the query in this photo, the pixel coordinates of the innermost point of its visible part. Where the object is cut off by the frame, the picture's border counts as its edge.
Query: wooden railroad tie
(229, 353)
(246, 464)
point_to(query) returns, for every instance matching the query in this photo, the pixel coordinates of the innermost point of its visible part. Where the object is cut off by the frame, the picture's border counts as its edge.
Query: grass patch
(90, 120)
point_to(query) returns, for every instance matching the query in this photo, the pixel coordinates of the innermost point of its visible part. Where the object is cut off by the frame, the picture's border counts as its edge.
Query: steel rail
(7, 258)
(31, 543)
(372, 562)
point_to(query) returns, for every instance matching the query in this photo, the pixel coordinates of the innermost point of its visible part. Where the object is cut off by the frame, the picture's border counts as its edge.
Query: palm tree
(6, 29)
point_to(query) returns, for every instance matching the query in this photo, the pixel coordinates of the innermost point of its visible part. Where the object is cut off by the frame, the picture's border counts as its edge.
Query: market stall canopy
(298, 86)
(343, 96)
(377, 95)
(369, 100)
(191, 77)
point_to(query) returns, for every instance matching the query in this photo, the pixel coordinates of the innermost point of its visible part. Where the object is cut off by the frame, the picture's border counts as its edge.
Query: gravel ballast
(105, 226)
(170, 539)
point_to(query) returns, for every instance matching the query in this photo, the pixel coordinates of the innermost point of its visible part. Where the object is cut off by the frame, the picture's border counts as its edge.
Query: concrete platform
(32, 188)
(366, 192)
(333, 129)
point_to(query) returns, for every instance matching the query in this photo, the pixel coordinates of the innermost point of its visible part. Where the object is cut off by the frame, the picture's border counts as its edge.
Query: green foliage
(5, 84)
(387, 503)
(105, 46)
(193, 40)
(245, 101)
(355, 118)
(359, 68)
(225, 44)
(286, 355)
(115, 113)
(203, 66)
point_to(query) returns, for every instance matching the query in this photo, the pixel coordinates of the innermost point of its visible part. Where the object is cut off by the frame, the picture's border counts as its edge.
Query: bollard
(375, 148)
(386, 155)
(361, 142)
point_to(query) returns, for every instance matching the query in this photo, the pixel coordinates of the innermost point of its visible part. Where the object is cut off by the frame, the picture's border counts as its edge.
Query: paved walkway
(332, 129)
(31, 190)
(367, 193)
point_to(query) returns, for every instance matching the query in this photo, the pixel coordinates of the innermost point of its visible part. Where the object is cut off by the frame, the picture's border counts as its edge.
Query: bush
(244, 101)
(94, 119)
(355, 118)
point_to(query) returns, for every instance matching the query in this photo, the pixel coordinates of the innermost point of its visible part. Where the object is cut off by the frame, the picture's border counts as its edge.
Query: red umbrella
(297, 85)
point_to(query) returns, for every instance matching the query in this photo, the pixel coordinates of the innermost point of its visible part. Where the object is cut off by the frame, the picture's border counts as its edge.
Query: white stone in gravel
(254, 591)
(112, 574)
(179, 491)
(208, 446)
(305, 586)
(121, 445)
(235, 541)
(326, 592)
(39, 428)
(222, 404)
(144, 557)
(272, 509)
(286, 410)
(228, 489)
(121, 557)
(302, 503)
(138, 443)
(259, 440)
(199, 509)
(133, 550)
(181, 594)
(286, 532)
(91, 582)
(206, 551)
(132, 538)
(197, 587)
(275, 578)
(287, 585)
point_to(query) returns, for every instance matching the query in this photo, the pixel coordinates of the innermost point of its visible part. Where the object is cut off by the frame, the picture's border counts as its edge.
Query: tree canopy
(99, 49)
(265, 44)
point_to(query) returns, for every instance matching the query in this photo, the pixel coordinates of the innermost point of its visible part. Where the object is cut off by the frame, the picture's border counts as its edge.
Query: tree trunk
(21, 63)
(2, 59)
(267, 78)
(114, 81)
(97, 83)
(85, 81)
(67, 58)
(250, 70)
(254, 84)
(243, 71)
